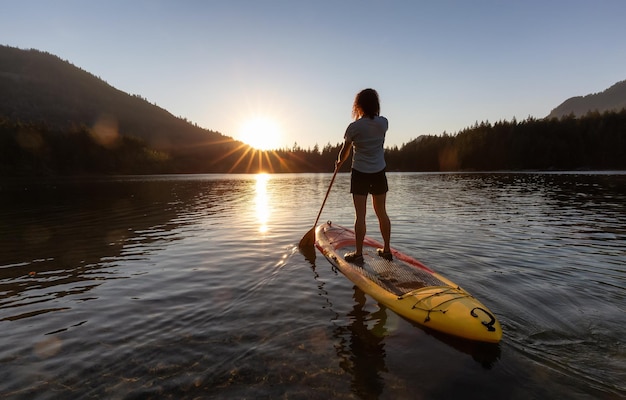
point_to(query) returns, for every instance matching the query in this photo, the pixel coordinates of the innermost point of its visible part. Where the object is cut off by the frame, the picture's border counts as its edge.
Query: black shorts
(363, 183)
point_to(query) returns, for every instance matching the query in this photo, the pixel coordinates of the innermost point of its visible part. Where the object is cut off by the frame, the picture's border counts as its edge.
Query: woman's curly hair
(366, 104)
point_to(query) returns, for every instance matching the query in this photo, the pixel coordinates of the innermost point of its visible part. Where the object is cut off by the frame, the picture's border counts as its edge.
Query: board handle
(492, 319)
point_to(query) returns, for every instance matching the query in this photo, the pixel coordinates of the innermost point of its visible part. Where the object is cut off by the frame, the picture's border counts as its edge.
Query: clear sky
(437, 65)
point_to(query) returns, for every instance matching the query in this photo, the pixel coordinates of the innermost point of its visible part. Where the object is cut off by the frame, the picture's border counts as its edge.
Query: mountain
(38, 87)
(612, 99)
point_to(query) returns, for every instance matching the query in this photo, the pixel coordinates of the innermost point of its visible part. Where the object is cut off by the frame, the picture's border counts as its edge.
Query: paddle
(307, 242)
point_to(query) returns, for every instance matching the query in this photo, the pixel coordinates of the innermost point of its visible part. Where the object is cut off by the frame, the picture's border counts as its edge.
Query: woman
(366, 135)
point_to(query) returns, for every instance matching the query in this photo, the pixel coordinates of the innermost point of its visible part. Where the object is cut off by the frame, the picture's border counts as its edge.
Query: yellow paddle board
(409, 288)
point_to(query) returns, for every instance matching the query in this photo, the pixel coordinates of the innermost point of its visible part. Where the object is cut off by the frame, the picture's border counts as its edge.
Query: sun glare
(261, 133)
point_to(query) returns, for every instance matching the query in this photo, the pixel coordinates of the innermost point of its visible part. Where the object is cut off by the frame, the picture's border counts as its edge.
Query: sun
(261, 133)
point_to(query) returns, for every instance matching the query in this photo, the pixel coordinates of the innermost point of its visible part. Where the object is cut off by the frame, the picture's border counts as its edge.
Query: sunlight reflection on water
(261, 201)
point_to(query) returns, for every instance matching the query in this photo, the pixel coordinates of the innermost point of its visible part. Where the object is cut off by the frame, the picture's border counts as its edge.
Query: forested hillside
(56, 119)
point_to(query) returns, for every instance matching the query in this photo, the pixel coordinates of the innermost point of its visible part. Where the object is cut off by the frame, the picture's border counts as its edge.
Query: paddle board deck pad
(409, 288)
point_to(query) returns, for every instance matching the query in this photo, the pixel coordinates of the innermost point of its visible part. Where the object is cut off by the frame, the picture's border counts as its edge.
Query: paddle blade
(307, 245)
(308, 240)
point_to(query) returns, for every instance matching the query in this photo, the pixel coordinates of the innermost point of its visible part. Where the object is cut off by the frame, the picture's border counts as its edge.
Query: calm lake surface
(172, 287)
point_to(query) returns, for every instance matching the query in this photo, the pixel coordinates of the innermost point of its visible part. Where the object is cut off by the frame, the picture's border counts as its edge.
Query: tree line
(593, 142)
(596, 141)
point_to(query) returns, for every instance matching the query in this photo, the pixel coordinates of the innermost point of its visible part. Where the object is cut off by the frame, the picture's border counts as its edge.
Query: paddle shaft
(325, 197)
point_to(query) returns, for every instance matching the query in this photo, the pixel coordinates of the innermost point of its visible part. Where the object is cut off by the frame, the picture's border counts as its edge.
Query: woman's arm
(344, 153)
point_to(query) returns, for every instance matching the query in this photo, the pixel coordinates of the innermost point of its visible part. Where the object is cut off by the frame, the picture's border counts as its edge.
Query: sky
(438, 66)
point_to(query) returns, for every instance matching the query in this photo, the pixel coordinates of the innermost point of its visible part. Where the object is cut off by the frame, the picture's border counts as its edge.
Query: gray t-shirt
(368, 137)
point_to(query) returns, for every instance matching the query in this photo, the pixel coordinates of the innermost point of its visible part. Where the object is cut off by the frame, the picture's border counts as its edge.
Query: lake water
(172, 287)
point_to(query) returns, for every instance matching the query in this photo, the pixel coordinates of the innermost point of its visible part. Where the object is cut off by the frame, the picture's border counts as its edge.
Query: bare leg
(360, 206)
(379, 202)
